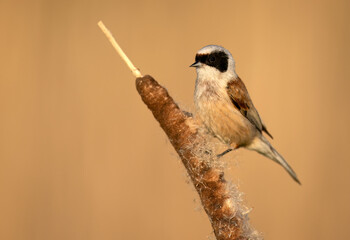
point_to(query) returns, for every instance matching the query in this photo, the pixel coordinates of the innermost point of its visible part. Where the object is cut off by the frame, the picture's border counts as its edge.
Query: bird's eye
(211, 59)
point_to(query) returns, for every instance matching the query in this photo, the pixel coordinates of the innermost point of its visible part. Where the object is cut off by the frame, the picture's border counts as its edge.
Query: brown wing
(239, 96)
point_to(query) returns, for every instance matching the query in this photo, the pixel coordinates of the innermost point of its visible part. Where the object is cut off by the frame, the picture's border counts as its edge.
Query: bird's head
(214, 62)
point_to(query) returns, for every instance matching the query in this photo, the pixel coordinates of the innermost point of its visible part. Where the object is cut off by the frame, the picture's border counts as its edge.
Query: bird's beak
(196, 64)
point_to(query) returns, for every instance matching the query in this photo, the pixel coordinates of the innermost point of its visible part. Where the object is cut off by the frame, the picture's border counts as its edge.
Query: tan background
(82, 158)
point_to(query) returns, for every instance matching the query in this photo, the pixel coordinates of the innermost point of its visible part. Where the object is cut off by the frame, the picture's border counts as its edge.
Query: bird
(223, 105)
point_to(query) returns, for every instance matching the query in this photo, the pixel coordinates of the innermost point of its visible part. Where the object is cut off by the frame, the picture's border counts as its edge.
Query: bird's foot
(223, 153)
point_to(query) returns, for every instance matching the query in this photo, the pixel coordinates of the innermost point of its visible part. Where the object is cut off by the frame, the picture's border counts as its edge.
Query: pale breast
(220, 117)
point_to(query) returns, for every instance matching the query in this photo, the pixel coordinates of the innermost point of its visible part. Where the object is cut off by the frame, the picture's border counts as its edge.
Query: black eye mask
(218, 60)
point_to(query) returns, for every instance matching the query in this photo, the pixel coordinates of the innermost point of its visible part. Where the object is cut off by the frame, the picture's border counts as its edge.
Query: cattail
(220, 199)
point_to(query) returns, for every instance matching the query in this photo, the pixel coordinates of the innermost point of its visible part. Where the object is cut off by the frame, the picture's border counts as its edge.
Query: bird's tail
(262, 146)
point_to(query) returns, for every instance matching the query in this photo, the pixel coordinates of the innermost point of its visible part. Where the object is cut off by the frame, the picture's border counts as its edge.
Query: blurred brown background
(81, 157)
